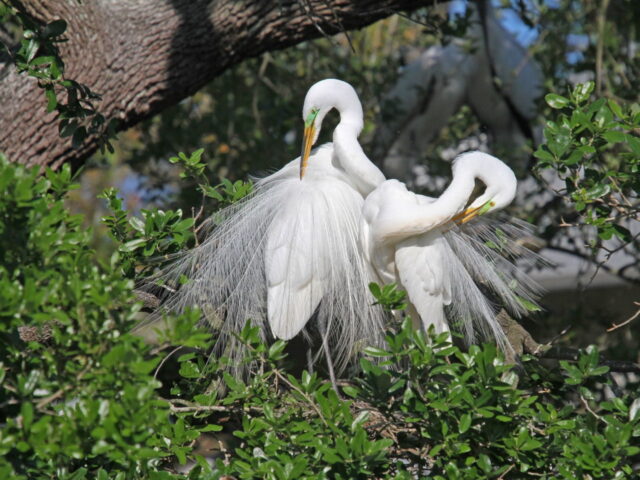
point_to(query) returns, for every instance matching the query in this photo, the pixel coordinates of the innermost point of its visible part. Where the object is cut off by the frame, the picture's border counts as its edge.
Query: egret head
(500, 183)
(320, 99)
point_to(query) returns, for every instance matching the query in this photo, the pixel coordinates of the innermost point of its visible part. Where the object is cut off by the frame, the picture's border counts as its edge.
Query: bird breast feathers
(420, 263)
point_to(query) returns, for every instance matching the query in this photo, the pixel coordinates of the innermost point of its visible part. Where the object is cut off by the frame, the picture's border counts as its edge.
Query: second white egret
(417, 242)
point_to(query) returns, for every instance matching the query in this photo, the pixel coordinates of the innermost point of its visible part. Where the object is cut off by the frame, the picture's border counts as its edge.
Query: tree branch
(145, 56)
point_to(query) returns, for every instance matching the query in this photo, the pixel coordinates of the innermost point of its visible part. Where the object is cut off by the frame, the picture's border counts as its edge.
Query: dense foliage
(81, 396)
(594, 148)
(77, 390)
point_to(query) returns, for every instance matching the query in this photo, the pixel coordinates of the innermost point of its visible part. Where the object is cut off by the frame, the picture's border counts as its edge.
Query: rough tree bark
(143, 56)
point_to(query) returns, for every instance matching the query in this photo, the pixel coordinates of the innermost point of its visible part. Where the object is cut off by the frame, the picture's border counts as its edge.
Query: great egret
(413, 240)
(290, 250)
(300, 256)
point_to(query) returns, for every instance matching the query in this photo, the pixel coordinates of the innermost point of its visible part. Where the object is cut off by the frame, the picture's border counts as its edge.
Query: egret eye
(311, 117)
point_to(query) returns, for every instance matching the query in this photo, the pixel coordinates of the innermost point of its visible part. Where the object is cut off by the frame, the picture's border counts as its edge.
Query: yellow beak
(465, 216)
(307, 142)
(470, 213)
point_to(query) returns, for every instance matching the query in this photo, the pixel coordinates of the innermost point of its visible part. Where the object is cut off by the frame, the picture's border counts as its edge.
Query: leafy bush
(81, 397)
(595, 149)
(77, 390)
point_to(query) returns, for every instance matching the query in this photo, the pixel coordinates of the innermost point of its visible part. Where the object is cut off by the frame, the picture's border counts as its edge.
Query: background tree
(179, 47)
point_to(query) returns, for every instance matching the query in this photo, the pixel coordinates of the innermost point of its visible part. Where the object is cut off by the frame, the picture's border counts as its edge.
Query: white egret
(412, 240)
(290, 250)
(300, 251)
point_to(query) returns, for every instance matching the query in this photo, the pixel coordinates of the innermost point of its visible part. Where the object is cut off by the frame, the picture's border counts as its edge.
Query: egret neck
(364, 175)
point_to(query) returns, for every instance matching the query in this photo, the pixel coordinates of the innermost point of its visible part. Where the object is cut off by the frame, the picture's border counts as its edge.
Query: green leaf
(634, 143)
(275, 350)
(26, 412)
(465, 423)
(598, 191)
(622, 233)
(582, 91)
(556, 101)
(544, 155)
(615, 108)
(132, 245)
(615, 136)
(376, 352)
(52, 101)
(79, 135)
(137, 224)
(79, 474)
(350, 391)
(360, 420)
(210, 192)
(211, 428)
(528, 305)
(183, 225)
(32, 48)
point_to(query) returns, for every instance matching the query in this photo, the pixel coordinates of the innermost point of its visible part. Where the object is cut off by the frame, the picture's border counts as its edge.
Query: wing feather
(419, 261)
(296, 264)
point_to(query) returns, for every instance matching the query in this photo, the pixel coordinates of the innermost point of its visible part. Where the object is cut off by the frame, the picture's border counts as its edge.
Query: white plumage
(305, 244)
(420, 264)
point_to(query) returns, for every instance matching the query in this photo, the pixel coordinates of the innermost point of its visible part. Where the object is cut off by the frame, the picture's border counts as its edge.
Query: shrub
(80, 395)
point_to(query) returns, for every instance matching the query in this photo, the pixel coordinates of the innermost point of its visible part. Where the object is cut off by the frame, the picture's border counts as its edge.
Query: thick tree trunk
(145, 55)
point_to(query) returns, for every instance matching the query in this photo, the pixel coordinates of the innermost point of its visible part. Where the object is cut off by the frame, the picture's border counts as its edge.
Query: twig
(309, 11)
(209, 408)
(628, 320)
(588, 408)
(511, 467)
(606, 268)
(304, 395)
(563, 223)
(56, 395)
(196, 217)
(543, 347)
(285, 380)
(339, 23)
(529, 54)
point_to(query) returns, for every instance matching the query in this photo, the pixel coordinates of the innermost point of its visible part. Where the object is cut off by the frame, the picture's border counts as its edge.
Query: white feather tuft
(485, 263)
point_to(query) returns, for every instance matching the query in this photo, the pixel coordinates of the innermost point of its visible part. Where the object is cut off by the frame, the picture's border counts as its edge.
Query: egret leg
(310, 358)
(327, 355)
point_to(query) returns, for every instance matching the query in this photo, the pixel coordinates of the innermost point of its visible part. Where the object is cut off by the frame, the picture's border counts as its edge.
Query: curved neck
(454, 198)
(350, 156)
